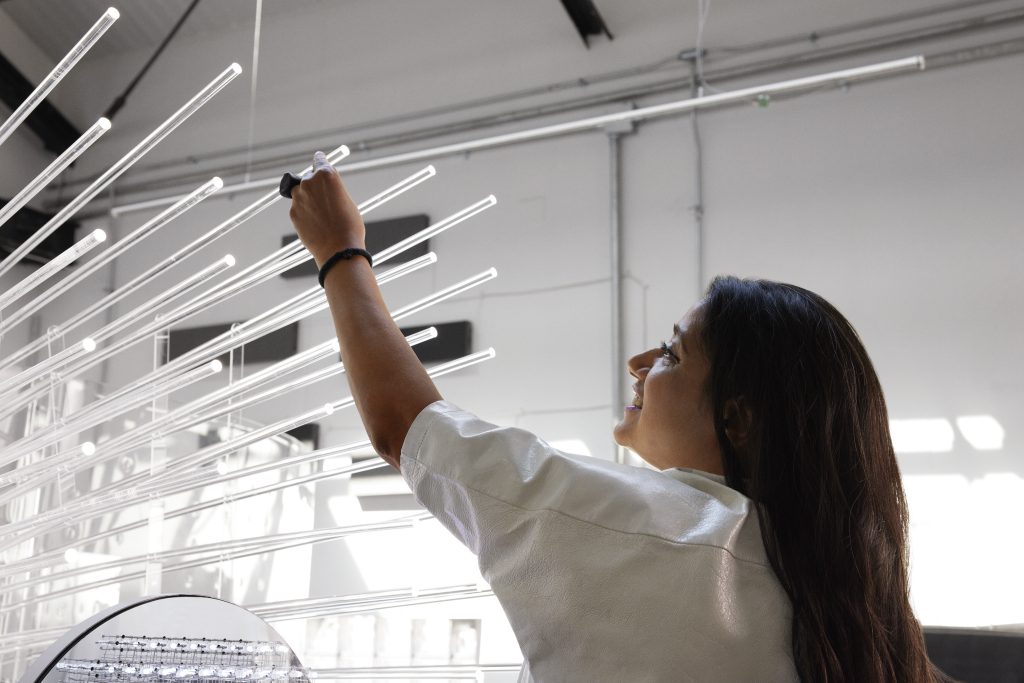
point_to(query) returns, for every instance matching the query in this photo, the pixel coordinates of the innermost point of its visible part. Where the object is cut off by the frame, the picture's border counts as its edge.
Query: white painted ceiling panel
(56, 26)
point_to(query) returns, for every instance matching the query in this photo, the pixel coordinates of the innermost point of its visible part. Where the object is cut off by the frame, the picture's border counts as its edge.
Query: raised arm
(388, 382)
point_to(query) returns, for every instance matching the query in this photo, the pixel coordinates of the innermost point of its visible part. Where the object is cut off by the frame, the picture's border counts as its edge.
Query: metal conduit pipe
(960, 26)
(593, 123)
(935, 60)
(615, 266)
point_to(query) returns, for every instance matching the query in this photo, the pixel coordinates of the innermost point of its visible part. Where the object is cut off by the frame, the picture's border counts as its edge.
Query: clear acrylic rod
(128, 397)
(114, 251)
(435, 229)
(223, 407)
(99, 412)
(212, 553)
(294, 253)
(58, 72)
(112, 499)
(213, 550)
(208, 408)
(446, 293)
(185, 468)
(176, 419)
(283, 463)
(80, 318)
(171, 421)
(229, 224)
(43, 368)
(122, 165)
(384, 196)
(81, 357)
(72, 520)
(177, 257)
(197, 459)
(297, 308)
(53, 266)
(74, 355)
(183, 477)
(55, 168)
(217, 293)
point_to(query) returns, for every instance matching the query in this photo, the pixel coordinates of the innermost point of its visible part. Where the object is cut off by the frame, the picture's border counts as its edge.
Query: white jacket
(607, 572)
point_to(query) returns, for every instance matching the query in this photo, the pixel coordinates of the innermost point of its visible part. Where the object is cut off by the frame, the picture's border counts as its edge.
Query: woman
(770, 545)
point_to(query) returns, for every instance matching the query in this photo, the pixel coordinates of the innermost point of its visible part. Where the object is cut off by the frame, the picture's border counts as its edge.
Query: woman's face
(669, 423)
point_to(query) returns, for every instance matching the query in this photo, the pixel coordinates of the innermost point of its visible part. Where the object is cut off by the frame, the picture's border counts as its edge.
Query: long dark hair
(821, 470)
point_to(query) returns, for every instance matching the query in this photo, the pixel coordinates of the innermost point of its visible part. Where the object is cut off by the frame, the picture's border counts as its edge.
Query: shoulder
(515, 468)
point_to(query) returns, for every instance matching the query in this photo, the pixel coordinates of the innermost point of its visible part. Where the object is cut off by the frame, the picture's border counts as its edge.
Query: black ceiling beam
(46, 121)
(26, 222)
(586, 19)
(120, 100)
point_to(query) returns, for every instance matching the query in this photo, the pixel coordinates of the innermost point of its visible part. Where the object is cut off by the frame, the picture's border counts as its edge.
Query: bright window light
(573, 446)
(965, 570)
(930, 435)
(982, 431)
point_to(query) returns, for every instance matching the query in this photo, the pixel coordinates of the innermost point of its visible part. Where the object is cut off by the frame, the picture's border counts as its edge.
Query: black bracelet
(343, 255)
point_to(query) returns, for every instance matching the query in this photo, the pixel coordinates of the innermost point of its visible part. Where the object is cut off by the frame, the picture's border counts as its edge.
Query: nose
(640, 364)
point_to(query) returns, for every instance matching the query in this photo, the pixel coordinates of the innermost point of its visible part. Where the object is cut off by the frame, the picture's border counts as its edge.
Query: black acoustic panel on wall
(382, 471)
(308, 434)
(453, 340)
(976, 654)
(379, 235)
(275, 346)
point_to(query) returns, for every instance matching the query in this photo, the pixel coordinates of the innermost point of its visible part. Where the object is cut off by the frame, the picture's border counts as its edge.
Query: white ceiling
(56, 25)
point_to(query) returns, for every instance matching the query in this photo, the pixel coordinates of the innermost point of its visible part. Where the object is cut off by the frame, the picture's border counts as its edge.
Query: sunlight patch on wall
(982, 431)
(929, 435)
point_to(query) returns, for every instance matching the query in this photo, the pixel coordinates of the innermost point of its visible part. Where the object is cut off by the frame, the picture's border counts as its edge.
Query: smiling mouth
(638, 400)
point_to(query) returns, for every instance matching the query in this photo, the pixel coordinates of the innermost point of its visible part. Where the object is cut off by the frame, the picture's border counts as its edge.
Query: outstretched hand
(324, 215)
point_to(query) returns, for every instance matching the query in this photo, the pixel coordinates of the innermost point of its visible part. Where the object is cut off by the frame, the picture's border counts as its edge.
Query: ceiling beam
(55, 131)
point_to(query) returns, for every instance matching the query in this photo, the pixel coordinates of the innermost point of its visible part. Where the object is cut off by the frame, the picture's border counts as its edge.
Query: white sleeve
(475, 477)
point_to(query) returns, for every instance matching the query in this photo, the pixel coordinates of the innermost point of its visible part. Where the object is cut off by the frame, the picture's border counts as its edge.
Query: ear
(739, 422)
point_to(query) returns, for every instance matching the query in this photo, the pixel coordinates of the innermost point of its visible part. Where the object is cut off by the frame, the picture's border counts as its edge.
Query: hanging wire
(121, 99)
(252, 87)
(697, 85)
(701, 85)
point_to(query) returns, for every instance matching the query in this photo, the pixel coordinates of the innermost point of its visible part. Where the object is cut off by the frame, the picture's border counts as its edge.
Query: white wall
(896, 200)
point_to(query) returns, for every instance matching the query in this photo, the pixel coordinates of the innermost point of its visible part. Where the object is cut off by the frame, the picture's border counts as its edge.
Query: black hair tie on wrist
(343, 255)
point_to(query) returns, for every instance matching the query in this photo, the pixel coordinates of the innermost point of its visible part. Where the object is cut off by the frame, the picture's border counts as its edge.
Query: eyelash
(668, 353)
